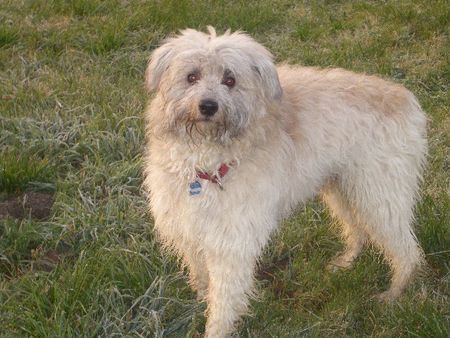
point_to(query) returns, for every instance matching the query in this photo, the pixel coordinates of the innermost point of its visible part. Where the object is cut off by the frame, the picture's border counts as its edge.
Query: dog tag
(195, 188)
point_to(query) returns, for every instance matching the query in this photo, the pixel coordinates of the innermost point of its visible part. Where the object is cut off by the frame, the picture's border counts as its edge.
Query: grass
(71, 103)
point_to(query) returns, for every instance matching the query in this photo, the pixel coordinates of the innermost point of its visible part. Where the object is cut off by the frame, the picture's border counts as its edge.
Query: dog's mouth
(202, 120)
(205, 127)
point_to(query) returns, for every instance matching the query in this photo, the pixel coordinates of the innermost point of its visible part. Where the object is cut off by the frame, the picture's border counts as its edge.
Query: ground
(31, 204)
(82, 260)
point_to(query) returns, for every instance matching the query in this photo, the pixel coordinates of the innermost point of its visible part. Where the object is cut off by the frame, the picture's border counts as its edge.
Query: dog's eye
(229, 82)
(193, 78)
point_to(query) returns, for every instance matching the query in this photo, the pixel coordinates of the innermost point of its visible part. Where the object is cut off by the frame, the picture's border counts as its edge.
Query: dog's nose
(208, 107)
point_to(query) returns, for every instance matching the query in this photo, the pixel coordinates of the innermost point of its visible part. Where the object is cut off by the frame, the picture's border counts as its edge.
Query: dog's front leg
(231, 281)
(198, 274)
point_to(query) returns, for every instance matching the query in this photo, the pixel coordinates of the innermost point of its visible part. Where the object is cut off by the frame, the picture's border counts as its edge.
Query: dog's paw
(387, 297)
(341, 262)
(201, 295)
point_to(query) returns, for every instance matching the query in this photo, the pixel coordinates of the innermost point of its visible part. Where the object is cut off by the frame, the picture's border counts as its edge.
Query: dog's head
(211, 86)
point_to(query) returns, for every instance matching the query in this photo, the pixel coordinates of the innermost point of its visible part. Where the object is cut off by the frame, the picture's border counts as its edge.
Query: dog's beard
(188, 125)
(199, 129)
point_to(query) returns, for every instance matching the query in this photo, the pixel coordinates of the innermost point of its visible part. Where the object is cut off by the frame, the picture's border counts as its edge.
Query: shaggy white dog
(234, 143)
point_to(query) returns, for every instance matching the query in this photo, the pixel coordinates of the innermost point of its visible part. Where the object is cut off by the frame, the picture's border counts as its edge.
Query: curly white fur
(291, 132)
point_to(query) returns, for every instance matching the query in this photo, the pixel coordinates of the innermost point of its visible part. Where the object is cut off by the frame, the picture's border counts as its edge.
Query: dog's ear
(158, 64)
(267, 71)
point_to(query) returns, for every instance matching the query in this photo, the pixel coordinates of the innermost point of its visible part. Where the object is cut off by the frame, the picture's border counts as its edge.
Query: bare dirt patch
(48, 259)
(30, 204)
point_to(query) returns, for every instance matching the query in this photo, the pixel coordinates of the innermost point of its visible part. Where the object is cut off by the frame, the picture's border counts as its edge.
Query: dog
(234, 143)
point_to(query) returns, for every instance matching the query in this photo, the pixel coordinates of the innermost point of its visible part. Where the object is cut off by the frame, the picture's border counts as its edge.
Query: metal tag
(195, 188)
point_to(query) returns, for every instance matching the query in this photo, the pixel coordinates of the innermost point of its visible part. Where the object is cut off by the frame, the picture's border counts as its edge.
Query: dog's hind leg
(384, 198)
(353, 232)
(394, 236)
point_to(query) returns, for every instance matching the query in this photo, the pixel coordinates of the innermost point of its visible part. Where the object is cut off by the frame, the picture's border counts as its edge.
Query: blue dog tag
(195, 188)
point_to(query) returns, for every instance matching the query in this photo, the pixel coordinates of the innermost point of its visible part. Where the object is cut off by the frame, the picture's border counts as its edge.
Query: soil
(30, 204)
(267, 271)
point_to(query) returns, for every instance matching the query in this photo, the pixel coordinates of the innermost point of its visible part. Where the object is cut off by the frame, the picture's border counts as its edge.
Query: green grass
(19, 171)
(71, 103)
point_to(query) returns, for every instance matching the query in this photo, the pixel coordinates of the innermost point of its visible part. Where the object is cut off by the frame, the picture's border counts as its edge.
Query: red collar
(223, 170)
